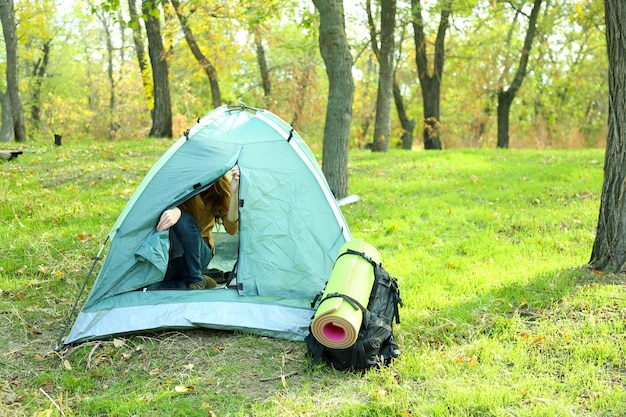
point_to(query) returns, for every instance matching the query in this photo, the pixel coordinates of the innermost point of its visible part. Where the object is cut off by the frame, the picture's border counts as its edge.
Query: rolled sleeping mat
(336, 322)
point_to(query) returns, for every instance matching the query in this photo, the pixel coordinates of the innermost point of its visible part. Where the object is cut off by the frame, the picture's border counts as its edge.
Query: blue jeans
(189, 254)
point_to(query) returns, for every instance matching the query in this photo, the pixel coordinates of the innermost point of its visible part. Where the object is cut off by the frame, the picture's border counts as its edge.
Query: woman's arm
(232, 217)
(168, 219)
(233, 206)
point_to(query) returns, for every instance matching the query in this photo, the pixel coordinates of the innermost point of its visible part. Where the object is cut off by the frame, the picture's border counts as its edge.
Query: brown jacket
(205, 215)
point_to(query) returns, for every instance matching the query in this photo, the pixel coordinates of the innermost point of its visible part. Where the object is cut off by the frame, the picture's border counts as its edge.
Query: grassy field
(501, 318)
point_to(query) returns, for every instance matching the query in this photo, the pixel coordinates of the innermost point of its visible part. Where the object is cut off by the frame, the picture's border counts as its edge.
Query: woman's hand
(234, 182)
(168, 219)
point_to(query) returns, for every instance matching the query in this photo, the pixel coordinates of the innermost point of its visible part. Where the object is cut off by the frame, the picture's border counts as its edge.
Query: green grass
(501, 317)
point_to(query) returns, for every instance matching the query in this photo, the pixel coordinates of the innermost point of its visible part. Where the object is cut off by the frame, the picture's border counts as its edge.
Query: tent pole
(73, 311)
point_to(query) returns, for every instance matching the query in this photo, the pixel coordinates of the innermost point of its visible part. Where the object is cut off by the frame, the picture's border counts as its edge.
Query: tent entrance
(223, 265)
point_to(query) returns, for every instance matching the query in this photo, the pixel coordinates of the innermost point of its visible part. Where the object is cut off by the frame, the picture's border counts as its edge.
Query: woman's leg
(189, 254)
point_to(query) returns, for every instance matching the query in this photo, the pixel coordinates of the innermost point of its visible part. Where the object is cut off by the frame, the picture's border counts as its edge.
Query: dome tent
(290, 232)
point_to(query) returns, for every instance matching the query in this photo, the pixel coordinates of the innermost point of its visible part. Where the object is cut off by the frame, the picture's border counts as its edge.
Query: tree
(384, 54)
(609, 248)
(261, 59)
(140, 50)
(162, 110)
(37, 33)
(564, 110)
(336, 54)
(408, 124)
(506, 96)
(6, 132)
(204, 62)
(430, 81)
(106, 22)
(39, 72)
(7, 17)
(291, 81)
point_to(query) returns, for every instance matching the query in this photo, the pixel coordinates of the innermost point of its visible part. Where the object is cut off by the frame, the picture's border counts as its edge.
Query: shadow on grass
(485, 314)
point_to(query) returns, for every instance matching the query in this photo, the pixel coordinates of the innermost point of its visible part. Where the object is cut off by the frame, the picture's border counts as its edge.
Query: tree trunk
(382, 124)
(105, 21)
(39, 72)
(430, 83)
(204, 62)
(7, 17)
(301, 95)
(335, 51)
(162, 111)
(431, 95)
(505, 100)
(408, 124)
(609, 248)
(139, 49)
(511, 92)
(110, 56)
(260, 56)
(6, 132)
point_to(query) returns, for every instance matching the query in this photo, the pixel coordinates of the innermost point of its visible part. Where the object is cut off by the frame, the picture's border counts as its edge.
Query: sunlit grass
(500, 318)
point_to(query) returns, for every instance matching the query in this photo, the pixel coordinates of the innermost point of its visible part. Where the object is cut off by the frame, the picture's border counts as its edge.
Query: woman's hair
(220, 198)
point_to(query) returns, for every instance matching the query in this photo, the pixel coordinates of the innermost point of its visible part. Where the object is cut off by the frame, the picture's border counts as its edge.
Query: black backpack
(375, 344)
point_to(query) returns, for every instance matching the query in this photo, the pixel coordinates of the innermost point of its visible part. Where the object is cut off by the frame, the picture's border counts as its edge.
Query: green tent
(290, 232)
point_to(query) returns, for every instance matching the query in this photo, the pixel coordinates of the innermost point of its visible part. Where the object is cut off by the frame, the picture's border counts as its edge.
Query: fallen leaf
(183, 388)
(47, 387)
(118, 343)
(84, 236)
(380, 393)
(206, 406)
(473, 362)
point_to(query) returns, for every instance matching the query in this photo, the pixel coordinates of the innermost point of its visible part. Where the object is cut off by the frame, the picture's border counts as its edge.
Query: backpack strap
(361, 254)
(381, 274)
(354, 303)
(318, 296)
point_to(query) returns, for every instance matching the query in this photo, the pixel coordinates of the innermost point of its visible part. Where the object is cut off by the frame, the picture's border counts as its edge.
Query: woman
(191, 224)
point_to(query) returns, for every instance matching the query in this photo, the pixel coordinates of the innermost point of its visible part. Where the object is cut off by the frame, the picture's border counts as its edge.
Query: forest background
(79, 75)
